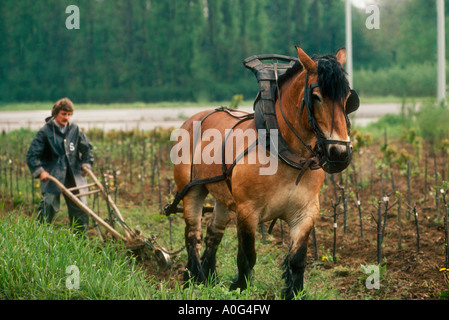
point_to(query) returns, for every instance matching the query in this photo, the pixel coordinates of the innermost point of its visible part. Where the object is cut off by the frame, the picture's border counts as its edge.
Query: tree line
(190, 50)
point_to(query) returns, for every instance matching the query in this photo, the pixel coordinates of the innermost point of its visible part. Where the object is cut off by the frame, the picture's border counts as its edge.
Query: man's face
(62, 118)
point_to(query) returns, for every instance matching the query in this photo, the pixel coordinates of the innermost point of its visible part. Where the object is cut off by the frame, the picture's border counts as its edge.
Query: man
(60, 149)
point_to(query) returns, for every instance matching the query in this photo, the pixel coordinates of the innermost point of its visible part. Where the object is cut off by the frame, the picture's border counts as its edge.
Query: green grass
(391, 124)
(429, 121)
(34, 262)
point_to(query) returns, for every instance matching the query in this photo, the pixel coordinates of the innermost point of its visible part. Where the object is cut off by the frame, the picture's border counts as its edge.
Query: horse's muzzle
(334, 155)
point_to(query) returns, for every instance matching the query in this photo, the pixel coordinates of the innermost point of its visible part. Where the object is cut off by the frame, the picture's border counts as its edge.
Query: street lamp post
(349, 43)
(441, 52)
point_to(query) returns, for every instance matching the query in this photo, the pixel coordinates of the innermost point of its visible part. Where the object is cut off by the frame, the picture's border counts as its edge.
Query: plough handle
(105, 194)
(85, 208)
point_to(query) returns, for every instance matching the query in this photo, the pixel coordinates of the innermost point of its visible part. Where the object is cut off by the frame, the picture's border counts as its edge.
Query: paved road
(147, 119)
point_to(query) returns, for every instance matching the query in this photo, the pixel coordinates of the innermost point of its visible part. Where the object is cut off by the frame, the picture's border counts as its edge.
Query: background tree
(148, 50)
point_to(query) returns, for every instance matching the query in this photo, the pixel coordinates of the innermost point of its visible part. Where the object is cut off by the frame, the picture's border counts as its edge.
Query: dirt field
(410, 273)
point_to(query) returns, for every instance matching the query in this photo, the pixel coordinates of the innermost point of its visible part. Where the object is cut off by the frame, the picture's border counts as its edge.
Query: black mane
(332, 78)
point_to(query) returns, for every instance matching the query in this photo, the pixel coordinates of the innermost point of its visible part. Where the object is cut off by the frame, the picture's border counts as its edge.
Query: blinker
(353, 102)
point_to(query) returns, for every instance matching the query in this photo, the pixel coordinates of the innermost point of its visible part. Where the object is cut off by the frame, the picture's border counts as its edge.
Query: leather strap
(226, 172)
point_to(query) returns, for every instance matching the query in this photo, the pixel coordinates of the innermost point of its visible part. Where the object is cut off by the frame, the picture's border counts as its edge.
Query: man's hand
(44, 176)
(84, 169)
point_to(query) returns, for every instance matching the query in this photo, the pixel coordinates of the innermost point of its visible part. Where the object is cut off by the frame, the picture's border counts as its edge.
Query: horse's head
(325, 104)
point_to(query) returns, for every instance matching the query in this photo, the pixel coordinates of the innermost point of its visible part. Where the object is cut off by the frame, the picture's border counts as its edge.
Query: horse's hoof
(238, 285)
(234, 286)
(287, 294)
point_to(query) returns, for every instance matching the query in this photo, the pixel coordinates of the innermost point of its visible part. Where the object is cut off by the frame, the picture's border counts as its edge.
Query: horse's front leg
(247, 222)
(193, 208)
(295, 262)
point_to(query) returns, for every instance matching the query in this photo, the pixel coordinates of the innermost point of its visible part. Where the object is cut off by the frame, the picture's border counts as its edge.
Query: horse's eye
(316, 98)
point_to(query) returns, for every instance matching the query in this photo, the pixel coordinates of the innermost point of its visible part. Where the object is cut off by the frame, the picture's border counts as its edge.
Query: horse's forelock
(332, 78)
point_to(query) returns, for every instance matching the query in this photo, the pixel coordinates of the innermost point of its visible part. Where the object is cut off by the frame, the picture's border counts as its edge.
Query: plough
(133, 239)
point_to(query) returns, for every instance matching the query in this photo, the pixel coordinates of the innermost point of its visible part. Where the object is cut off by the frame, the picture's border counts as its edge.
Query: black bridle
(321, 149)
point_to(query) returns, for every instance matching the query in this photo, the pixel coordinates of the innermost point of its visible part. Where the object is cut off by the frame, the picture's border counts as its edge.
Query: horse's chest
(276, 196)
(288, 200)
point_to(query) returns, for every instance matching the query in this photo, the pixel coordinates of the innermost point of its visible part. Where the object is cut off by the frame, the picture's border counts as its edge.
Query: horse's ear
(305, 60)
(341, 56)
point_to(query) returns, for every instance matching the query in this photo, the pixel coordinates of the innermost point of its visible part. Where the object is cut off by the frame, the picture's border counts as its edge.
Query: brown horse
(312, 120)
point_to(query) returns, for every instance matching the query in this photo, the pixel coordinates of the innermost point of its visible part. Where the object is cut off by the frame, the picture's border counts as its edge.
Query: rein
(308, 162)
(308, 147)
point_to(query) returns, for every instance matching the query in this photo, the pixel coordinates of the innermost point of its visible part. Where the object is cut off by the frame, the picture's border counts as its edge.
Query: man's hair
(62, 104)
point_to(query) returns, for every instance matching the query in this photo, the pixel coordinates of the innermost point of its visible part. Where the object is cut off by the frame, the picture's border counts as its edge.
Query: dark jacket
(59, 154)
